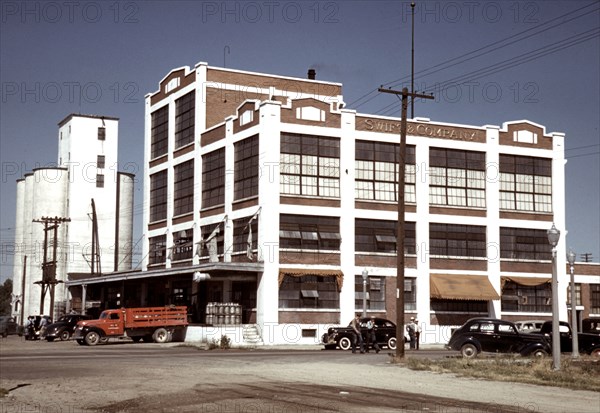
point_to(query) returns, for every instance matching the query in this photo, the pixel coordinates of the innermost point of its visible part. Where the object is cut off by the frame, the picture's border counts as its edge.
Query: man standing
(411, 330)
(371, 337)
(356, 334)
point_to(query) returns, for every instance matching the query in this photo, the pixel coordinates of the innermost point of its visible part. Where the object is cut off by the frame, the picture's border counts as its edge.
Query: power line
(446, 64)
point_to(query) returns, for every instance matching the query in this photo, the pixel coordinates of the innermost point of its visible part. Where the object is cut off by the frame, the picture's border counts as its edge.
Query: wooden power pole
(49, 281)
(401, 222)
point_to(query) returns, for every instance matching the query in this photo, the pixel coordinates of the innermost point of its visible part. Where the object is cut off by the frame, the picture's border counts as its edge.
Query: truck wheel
(92, 338)
(392, 343)
(345, 343)
(160, 335)
(468, 351)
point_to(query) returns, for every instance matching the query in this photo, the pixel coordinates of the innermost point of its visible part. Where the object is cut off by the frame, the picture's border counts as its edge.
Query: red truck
(158, 324)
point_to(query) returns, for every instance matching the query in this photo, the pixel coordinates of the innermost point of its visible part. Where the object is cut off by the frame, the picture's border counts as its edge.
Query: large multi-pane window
(245, 235)
(457, 178)
(525, 183)
(213, 178)
(157, 253)
(309, 232)
(525, 244)
(376, 167)
(595, 298)
(410, 294)
(577, 295)
(184, 119)
(159, 133)
(452, 240)
(375, 293)
(309, 291)
(213, 241)
(380, 236)
(310, 165)
(246, 168)
(459, 306)
(158, 196)
(183, 198)
(527, 298)
(183, 245)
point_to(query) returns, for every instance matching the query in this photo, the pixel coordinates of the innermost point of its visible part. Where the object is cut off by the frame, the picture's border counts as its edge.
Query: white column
(229, 184)
(558, 209)
(422, 233)
(267, 302)
(347, 214)
(492, 199)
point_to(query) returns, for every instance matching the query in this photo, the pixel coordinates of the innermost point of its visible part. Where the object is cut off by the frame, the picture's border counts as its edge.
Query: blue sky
(505, 60)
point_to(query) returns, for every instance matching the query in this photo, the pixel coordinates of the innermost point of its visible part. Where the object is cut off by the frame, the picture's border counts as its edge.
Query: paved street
(128, 377)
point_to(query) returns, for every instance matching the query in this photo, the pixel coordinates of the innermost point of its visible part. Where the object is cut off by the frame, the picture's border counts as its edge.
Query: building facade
(265, 195)
(74, 220)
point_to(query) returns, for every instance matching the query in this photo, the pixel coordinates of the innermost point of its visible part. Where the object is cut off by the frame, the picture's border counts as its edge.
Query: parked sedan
(385, 332)
(65, 326)
(491, 335)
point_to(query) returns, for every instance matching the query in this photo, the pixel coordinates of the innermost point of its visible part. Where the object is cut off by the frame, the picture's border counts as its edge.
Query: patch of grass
(582, 374)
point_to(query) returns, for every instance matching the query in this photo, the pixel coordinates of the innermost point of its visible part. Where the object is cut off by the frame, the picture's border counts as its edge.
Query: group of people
(370, 338)
(34, 329)
(370, 341)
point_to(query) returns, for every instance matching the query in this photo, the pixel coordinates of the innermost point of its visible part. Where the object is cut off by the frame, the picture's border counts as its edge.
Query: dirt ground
(151, 378)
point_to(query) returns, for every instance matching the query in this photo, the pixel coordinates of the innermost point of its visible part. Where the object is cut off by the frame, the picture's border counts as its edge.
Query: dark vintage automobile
(589, 343)
(63, 328)
(385, 332)
(491, 335)
(8, 325)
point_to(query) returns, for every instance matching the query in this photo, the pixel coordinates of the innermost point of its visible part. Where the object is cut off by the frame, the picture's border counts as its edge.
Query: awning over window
(527, 281)
(301, 272)
(462, 287)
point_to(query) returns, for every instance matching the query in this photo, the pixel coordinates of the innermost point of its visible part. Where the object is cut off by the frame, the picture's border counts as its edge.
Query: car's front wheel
(468, 351)
(392, 343)
(65, 335)
(345, 343)
(539, 354)
(92, 338)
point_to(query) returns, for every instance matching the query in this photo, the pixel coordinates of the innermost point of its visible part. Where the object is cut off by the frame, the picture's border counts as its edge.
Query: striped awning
(462, 287)
(301, 272)
(527, 281)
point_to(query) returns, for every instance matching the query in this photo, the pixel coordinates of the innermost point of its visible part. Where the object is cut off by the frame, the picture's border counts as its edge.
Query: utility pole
(401, 223)
(412, 64)
(48, 282)
(23, 290)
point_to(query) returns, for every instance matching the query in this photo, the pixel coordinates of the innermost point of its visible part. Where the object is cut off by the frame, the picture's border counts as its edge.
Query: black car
(8, 325)
(63, 328)
(385, 332)
(491, 335)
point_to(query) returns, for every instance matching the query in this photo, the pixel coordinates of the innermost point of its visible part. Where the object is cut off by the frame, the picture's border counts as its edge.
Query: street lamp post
(553, 237)
(575, 340)
(365, 273)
